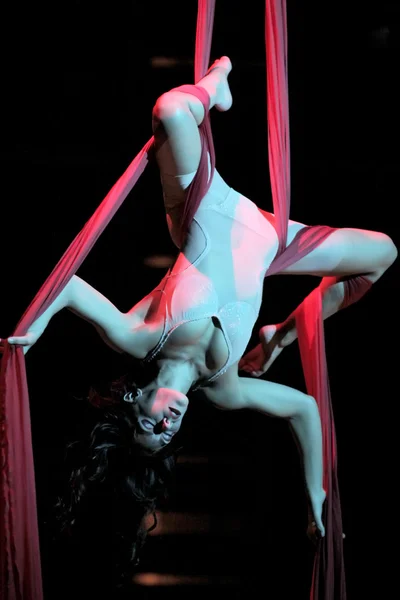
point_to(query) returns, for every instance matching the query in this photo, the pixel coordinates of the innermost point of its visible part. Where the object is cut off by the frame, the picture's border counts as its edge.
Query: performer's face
(159, 414)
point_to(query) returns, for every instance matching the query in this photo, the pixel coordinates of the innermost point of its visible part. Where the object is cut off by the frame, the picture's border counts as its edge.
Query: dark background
(78, 90)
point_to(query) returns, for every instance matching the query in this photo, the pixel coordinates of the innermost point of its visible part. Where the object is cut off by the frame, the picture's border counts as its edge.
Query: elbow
(306, 409)
(70, 293)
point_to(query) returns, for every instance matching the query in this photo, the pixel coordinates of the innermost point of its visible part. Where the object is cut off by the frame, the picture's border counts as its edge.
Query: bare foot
(258, 360)
(215, 82)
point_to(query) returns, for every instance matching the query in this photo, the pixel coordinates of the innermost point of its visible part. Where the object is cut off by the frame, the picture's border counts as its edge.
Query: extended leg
(346, 252)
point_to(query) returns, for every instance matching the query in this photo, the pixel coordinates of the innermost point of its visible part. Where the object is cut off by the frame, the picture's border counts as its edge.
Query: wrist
(316, 493)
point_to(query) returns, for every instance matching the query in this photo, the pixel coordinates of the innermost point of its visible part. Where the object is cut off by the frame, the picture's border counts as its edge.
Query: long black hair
(113, 485)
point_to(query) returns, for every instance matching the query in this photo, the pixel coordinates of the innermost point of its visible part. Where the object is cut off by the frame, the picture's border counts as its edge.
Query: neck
(176, 374)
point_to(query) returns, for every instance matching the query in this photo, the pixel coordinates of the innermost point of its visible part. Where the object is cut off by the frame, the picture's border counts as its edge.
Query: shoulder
(226, 391)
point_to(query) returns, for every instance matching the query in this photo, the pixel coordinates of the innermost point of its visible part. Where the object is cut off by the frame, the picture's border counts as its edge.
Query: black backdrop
(78, 89)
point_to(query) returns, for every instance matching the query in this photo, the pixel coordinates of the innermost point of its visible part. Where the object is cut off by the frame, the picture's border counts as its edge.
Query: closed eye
(151, 434)
(146, 425)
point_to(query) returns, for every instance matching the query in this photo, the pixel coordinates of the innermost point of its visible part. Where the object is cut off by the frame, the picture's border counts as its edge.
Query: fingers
(256, 373)
(16, 341)
(250, 369)
(22, 340)
(321, 527)
(316, 530)
(314, 534)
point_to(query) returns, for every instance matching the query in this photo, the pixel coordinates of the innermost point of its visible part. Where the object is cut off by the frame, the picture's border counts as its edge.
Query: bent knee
(390, 249)
(386, 251)
(169, 106)
(366, 251)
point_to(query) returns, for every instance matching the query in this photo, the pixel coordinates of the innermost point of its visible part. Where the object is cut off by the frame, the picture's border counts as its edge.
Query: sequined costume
(220, 270)
(229, 249)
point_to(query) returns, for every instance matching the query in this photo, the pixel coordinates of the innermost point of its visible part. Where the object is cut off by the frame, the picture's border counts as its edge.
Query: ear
(131, 397)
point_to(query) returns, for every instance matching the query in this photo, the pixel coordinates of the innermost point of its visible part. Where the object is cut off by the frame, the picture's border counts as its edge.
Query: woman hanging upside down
(196, 324)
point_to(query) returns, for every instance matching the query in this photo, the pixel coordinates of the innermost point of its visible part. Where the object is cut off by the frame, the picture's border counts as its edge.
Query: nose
(166, 424)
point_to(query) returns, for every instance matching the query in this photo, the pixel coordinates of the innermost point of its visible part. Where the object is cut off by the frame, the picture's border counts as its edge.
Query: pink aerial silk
(20, 566)
(328, 580)
(20, 572)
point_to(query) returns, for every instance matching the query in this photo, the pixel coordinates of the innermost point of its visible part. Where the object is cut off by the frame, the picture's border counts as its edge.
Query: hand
(273, 338)
(313, 533)
(27, 341)
(316, 529)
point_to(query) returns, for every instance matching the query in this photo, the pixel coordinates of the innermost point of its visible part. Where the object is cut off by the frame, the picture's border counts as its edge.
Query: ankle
(210, 86)
(215, 83)
(287, 332)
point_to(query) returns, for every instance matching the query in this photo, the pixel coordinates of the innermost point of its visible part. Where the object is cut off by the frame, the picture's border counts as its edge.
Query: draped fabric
(201, 183)
(20, 573)
(276, 47)
(20, 567)
(328, 580)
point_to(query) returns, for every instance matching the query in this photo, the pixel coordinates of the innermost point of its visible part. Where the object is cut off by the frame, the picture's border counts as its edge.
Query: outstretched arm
(299, 409)
(89, 304)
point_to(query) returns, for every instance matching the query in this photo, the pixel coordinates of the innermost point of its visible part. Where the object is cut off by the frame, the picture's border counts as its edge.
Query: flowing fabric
(201, 183)
(202, 180)
(328, 581)
(20, 567)
(278, 114)
(20, 573)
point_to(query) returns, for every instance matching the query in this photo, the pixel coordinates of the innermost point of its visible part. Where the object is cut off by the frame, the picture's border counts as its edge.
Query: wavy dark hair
(113, 485)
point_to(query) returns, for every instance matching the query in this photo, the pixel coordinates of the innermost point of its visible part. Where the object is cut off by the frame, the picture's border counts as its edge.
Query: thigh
(346, 251)
(176, 134)
(293, 226)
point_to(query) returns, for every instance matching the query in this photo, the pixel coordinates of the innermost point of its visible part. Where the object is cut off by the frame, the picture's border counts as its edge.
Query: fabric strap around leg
(200, 185)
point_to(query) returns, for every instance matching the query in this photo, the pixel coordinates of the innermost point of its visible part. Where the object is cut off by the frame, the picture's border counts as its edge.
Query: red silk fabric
(278, 114)
(328, 580)
(200, 184)
(20, 568)
(20, 565)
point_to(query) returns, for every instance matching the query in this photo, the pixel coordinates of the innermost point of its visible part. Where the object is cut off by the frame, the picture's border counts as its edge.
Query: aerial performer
(191, 332)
